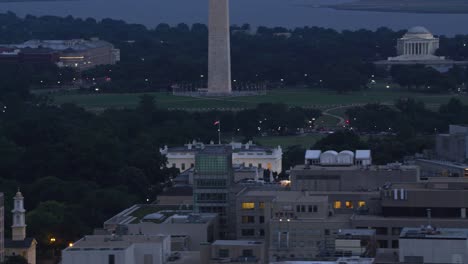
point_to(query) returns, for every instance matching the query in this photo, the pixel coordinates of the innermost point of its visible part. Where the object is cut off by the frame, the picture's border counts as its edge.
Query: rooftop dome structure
(418, 32)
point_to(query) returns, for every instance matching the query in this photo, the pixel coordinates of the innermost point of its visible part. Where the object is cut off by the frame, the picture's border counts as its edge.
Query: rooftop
(25, 243)
(61, 45)
(349, 260)
(356, 232)
(112, 242)
(445, 163)
(236, 243)
(286, 196)
(434, 233)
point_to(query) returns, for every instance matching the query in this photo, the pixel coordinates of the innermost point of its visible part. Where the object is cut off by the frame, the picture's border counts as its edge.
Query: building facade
(80, 54)
(246, 155)
(233, 251)
(433, 245)
(417, 44)
(137, 249)
(212, 180)
(454, 145)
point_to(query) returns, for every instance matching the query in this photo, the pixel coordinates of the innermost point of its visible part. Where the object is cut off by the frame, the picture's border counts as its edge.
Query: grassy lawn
(287, 141)
(294, 97)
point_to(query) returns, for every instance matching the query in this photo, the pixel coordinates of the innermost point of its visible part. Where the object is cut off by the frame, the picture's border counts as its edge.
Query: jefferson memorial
(417, 44)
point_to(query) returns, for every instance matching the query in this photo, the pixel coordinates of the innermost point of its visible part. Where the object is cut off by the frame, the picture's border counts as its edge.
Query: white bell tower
(19, 224)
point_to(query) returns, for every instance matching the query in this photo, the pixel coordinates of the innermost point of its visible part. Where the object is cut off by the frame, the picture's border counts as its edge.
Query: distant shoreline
(405, 6)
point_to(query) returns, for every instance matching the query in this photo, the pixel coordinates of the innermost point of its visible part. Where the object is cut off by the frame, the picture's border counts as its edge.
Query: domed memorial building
(417, 44)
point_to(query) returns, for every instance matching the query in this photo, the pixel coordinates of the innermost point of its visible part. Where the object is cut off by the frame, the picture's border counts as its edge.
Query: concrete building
(348, 260)
(80, 54)
(213, 179)
(133, 249)
(355, 242)
(2, 232)
(454, 145)
(433, 245)
(347, 171)
(431, 170)
(187, 230)
(219, 48)
(234, 251)
(246, 155)
(19, 244)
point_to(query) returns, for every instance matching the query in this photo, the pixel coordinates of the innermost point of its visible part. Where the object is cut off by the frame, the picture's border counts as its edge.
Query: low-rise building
(246, 155)
(112, 249)
(233, 251)
(188, 230)
(433, 245)
(80, 54)
(453, 146)
(433, 169)
(330, 171)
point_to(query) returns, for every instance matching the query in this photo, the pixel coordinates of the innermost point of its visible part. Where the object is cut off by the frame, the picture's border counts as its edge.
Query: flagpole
(219, 132)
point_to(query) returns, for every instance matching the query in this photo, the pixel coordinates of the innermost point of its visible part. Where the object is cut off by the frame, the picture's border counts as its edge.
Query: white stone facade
(248, 155)
(219, 49)
(418, 44)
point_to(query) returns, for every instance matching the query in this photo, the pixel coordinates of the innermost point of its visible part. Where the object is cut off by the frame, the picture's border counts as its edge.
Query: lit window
(362, 203)
(248, 206)
(349, 204)
(261, 205)
(337, 204)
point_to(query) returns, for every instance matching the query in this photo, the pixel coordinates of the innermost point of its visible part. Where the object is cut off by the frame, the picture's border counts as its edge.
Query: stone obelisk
(219, 50)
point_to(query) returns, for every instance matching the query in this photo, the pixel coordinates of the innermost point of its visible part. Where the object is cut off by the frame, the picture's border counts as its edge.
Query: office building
(212, 183)
(347, 171)
(187, 229)
(453, 146)
(112, 249)
(433, 245)
(233, 251)
(244, 155)
(79, 54)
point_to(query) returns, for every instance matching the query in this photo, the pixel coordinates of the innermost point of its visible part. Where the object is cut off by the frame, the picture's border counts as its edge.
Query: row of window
(249, 219)
(251, 232)
(224, 253)
(251, 205)
(306, 208)
(348, 204)
(182, 166)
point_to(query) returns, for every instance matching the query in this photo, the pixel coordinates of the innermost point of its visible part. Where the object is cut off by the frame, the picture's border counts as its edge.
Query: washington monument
(219, 51)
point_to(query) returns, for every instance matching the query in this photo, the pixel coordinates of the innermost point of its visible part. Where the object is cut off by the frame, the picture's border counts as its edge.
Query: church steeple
(19, 224)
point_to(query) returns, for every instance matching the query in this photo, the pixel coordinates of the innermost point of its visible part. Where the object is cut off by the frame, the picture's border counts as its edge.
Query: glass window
(395, 244)
(183, 166)
(262, 232)
(248, 232)
(223, 253)
(298, 208)
(303, 208)
(248, 219)
(310, 208)
(111, 259)
(247, 253)
(261, 219)
(248, 206)
(315, 209)
(361, 203)
(349, 204)
(261, 205)
(337, 205)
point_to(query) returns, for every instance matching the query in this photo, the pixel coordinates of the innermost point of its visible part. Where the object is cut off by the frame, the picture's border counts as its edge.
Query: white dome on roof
(418, 32)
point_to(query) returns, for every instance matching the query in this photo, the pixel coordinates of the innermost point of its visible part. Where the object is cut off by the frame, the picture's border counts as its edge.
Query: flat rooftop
(286, 196)
(389, 167)
(237, 243)
(434, 233)
(112, 242)
(445, 163)
(350, 260)
(356, 232)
